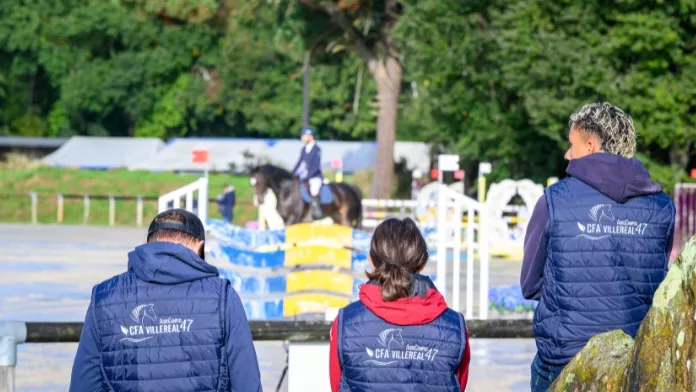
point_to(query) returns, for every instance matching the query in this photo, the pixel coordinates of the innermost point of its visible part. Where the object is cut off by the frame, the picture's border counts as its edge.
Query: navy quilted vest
(161, 337)
(378, 356)
(605, 261)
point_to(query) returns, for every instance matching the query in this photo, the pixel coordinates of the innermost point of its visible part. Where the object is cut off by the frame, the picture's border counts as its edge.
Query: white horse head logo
(602, 211)
(390, 335)
(144, 311)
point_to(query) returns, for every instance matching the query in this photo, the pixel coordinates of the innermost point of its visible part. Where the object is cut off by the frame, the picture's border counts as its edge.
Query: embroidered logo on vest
(605, 224)
(387, 355)
(145, 329)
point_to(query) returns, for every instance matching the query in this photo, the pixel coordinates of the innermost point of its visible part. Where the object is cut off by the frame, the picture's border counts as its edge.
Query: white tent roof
(222, 152)
(103, 152)
(178, 154)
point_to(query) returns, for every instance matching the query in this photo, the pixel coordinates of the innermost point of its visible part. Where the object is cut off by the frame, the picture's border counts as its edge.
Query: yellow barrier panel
(318, 254)
(316, 233)
(319, 280)
(317, 244)
(311, 303)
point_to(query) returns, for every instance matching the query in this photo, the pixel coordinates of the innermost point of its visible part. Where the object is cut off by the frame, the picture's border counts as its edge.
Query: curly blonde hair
(611, 125)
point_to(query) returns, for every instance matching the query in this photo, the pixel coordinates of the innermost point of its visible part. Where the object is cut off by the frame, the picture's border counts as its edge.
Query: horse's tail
(355, 214)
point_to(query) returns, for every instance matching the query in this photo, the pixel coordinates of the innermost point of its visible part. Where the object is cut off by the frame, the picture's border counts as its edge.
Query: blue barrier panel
(306, 269)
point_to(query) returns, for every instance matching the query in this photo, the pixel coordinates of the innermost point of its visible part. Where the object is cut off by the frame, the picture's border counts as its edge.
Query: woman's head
(397, 250)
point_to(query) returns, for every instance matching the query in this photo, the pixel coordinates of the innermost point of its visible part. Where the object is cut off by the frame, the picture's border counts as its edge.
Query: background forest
(490, 80)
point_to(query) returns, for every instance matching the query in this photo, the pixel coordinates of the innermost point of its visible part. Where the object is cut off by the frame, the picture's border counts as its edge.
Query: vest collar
(413, 310)
(420, 284)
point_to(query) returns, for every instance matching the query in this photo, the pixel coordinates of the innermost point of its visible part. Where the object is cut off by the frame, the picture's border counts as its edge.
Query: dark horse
(346, 208)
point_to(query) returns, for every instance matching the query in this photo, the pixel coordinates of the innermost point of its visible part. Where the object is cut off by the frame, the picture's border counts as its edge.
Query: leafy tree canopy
(490, 80)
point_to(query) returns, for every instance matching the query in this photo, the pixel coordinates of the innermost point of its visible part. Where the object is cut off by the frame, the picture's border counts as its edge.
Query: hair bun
(397, 250)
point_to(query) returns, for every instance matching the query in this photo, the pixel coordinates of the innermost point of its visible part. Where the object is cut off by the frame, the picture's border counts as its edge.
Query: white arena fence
(377, 210)
(197, 190)
(454, 224)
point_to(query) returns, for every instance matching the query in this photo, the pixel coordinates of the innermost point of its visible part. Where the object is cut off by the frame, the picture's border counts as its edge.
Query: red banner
(199, 156)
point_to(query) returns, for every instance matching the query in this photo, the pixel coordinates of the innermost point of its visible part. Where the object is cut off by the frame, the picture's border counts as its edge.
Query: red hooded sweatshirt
(403, 311)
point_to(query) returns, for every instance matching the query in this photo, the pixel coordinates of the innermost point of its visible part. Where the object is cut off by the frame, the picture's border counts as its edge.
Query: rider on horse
(308, 168)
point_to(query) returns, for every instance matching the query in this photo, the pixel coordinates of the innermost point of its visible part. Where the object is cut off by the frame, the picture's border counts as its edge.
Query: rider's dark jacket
(167, 324)
(309, 164)
(607, 240)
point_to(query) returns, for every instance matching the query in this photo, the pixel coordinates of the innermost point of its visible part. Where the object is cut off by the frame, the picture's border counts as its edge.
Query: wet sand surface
(47, 272)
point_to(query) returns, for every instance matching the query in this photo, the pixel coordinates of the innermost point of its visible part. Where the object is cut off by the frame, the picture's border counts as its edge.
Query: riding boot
(316, 209)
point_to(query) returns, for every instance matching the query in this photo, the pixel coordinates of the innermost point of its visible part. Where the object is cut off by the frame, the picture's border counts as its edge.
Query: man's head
(227, 188)
(307, 135)
(180, 227)
(601, 127)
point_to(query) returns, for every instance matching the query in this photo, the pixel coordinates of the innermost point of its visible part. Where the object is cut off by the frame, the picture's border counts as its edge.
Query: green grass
(16, 184)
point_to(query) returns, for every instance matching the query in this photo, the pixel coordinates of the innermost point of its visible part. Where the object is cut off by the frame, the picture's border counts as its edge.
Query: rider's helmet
(308, 131)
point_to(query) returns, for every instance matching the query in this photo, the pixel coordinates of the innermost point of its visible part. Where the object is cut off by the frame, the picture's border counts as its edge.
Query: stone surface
(600, 366)
(663, 356)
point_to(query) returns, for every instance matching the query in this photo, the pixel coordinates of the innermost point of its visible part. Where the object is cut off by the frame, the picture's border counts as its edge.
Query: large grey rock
(663, 356)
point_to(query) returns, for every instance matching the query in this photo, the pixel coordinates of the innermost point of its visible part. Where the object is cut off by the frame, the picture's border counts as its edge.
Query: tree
(255, 86)
(364, 29)
(490, 80)
(498, 80)
(460, 98)
(111, 62)
(638, 55)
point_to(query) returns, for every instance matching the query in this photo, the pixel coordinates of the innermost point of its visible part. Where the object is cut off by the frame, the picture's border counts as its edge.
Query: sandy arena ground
(47, 272)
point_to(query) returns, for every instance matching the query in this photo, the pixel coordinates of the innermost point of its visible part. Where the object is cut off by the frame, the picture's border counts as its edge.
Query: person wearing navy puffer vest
(598, 243)
(400, 335)
(167, 324)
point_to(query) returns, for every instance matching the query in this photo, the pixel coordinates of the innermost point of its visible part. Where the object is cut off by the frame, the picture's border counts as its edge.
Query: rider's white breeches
(315, 186)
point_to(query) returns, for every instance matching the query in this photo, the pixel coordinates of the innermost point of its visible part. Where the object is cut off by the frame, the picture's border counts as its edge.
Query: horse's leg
(298, 213)
(342, 213)
(304, 213)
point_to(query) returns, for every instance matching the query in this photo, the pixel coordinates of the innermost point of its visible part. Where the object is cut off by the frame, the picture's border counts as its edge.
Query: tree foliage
(501, 78)
(490, 80)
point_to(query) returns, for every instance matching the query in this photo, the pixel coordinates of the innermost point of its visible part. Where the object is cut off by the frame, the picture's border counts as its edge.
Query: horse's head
(149, 312)
(142, 311)
(396, 336)
(600, 212)
(390, 335)
(606, 212)
(266, 177)
(259, 183)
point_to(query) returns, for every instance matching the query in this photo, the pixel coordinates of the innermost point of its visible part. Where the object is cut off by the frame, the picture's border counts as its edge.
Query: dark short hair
(397, 250)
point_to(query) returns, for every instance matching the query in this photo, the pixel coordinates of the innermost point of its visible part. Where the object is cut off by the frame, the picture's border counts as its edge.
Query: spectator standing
(597, 244)
(226, 201)
(167, 324)
(400, 335)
